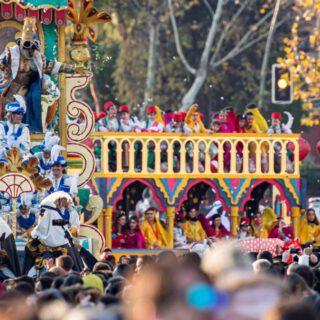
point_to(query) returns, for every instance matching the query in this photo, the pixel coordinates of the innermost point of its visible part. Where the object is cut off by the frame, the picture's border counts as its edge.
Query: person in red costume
(281, 231)
(134, 237)
(219, 231)
(118, 232)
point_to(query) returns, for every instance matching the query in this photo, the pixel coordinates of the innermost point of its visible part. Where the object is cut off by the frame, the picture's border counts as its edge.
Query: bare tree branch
(227, 29)
(208, 5)
(245, 47)
(177, 40)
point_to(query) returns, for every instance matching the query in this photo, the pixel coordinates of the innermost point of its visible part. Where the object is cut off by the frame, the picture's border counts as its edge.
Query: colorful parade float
(113, 168)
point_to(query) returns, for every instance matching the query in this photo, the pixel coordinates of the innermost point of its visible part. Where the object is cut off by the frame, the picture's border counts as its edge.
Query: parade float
(104, 189)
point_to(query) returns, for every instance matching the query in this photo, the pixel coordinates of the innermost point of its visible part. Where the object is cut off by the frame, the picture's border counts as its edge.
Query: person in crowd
(259, 122)
(52, 236)
(249, 126)
(179, 236)
(26, 215)
(193, 228)
(13, 133)
(310, 228)
(44, 156)
(258, 229)
(153, 232)
(127, 123)
(154, 122)
(134, 236)
(281, 231)
(118, 231)
(244, 229)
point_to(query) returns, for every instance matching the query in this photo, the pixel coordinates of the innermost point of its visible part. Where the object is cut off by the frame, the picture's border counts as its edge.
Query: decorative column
(234, 220)
(170, 216)
(105, 225)
(296, 221)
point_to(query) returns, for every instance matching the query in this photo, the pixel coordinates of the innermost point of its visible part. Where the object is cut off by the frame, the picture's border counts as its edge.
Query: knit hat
(244, 222)
(108, 105)
(124, 109)
(151, 109)
(93, 281)
(177, 117)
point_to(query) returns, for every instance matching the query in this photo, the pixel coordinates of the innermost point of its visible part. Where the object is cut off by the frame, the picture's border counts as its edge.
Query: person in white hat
(44, 157)
(52, 236)
(13, 133)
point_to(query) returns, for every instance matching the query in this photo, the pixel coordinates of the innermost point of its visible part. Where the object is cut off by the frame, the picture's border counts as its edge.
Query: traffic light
(282, 86)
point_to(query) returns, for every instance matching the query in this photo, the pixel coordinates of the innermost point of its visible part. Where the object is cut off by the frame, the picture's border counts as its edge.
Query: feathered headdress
(26, 199)
(56, 158)
(18, 106)
(50, 140)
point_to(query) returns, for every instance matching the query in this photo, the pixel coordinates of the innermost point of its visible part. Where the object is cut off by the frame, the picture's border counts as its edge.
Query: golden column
(296, 221)
(105, 225)
(170, 216)
(234, 220)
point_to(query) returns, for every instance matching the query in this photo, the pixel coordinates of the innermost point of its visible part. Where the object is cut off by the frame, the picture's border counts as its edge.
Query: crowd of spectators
(224, 283)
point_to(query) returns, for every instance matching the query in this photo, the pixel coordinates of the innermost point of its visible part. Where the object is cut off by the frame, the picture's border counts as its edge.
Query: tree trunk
(192, 93)
(152, 66)
(264, 67)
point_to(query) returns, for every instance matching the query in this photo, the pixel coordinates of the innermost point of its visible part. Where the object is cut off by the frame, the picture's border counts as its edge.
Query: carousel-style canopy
(46, 11)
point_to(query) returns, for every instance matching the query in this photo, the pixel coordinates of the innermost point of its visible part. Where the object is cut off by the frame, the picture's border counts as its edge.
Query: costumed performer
(44, 157)
(9, 262)
(13, 133)
(258, 230)
(153, 232)
(118, 231)
(179, 237)
(52, 236)
(27, 216)
(310, 228)
(193, 228)
(134, 236)
(23, 67)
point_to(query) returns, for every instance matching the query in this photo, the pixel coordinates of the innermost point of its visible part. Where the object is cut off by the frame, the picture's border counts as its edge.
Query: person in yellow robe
(193, 120)
(258, 229)
(310, 228)
(153, 232)
(193, 228)
(258, 119)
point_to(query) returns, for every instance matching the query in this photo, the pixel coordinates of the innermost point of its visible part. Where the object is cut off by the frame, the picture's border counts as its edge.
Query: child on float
(119, 231)
(245, 231)
(193, 228)
(179, 236)
(310, 228)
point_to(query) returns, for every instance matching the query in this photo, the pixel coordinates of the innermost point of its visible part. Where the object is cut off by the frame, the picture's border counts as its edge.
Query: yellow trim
(63, 94)
(289, 185)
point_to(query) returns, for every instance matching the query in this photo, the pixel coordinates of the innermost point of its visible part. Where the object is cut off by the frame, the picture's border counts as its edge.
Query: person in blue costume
(13, 133)
(23, 68)
(61, 181)
(44, 157)
(27, 216)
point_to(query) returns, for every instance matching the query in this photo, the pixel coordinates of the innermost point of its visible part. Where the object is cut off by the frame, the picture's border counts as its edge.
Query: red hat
(180, 217)
(244, 221)
(276, 115)
(178, 117)
(124, 109)
(151, 109)
(107, 105)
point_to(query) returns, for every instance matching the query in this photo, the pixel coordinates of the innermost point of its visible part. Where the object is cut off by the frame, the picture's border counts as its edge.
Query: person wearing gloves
(52, 236)
(44, 157)
(13, 133)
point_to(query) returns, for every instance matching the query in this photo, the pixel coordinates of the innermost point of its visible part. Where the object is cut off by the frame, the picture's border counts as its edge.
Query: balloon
(304, 148)
(318, 146)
